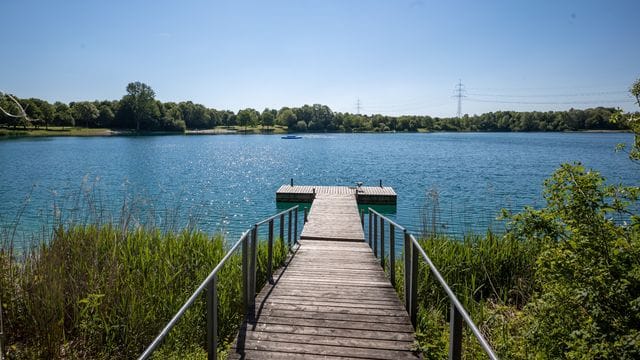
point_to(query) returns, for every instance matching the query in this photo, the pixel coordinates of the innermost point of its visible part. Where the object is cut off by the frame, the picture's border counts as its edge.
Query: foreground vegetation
(104, 292)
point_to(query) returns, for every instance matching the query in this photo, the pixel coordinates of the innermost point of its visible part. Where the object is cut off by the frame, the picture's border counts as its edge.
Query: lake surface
(226, 183)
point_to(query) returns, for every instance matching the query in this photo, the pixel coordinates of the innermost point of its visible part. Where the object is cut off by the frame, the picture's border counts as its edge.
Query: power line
(358, 105)
(551, 103)
(599, 93)
(459, 94)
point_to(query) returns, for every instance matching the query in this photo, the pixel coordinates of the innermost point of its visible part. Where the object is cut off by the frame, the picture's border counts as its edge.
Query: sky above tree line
(393, 57)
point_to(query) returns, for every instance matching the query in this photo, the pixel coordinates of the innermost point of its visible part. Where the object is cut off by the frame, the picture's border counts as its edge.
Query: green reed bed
(101, 292)
(491, 275)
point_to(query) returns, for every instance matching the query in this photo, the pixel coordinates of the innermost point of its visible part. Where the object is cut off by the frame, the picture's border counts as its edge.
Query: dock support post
(212, 318)
(282, 228)
(370, 223)
(289, 232)
(270, 252)
(375, 235)
(291, 181)
(455, 334)
(414, 283)
(407, 270)
(254, 268)
(245, 272)
(392, 254)
(306, 214)
(382, 242)
(362, 218)
(295, 226)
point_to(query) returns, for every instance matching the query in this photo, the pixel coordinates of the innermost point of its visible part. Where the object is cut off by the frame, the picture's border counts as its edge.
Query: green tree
(106, 116)
(286, 117)
(247, 117)
(268, 118)
(85, 112)
(63, 115)
(140, 100)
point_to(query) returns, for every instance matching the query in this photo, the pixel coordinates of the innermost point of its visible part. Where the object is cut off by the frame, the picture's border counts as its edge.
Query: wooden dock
(370, 195)
(332, 300)
(333, 217)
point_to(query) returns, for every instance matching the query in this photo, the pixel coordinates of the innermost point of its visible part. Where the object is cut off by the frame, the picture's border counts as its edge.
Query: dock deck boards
(331, 301)
(333, 217)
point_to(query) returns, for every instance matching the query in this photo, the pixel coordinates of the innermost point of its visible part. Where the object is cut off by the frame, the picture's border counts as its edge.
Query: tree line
(138, 109)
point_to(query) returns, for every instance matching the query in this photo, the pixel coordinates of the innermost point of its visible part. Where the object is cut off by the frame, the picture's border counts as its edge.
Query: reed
(100, 291)
(493, 277)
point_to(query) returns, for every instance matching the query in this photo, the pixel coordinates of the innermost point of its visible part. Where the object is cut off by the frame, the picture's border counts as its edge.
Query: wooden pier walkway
(332, 300)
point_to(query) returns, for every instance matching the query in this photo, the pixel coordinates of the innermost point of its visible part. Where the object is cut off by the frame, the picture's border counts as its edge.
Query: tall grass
(105, 292)
(493, 277)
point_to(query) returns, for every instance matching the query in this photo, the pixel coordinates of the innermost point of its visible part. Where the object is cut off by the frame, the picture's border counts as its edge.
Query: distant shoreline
(101, 132)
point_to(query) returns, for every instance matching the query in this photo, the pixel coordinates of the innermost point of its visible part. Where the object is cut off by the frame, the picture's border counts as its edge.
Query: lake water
(226, 183)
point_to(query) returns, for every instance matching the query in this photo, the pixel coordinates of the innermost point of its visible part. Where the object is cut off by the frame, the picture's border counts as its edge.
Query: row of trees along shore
(138, 109)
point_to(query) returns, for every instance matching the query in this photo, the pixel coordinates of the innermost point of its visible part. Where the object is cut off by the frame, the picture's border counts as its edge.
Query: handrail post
(295, 226)
(253, 267)
(407, 271)
(289, 232)
(245, 272)
(375, 235)
(455, 334)
(370, 224)
(212, 318)
(282, 227)
(392, 254)
(382, 242)
(414, 284)
(270, 252)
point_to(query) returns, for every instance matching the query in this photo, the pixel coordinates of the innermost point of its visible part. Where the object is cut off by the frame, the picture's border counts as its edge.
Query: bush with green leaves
(588, 270)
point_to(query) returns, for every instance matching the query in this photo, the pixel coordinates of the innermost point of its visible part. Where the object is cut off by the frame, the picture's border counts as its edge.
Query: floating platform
(365, 195)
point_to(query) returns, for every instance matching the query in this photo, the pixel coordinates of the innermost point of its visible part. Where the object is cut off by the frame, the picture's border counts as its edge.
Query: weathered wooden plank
(329, 339)
(337, 324)
(334, 331)
(328, 350)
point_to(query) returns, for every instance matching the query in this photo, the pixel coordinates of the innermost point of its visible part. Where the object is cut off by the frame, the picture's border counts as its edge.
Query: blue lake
(226, 183)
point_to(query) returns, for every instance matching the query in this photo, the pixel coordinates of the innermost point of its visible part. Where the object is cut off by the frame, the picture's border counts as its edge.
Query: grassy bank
(54, 131)
(100, 292)
(77, 131)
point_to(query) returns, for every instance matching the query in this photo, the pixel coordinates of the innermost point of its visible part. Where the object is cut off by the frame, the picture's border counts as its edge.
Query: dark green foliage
(562, 283)
(588, 271)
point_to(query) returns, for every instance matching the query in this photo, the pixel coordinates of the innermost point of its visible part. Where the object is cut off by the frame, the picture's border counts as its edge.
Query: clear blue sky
(397, 57)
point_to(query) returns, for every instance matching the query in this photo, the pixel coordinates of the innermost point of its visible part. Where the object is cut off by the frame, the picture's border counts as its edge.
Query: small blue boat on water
(290, 137)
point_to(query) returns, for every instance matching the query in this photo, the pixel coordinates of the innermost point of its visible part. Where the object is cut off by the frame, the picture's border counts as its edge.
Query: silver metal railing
(412, 249)
(248, 243)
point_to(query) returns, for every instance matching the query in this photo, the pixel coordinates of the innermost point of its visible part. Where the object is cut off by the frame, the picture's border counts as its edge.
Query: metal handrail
(412, 249)
(248, 240)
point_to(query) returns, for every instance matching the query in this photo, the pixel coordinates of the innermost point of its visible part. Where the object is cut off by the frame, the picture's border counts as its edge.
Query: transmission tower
(358, 105)
(459, 93)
